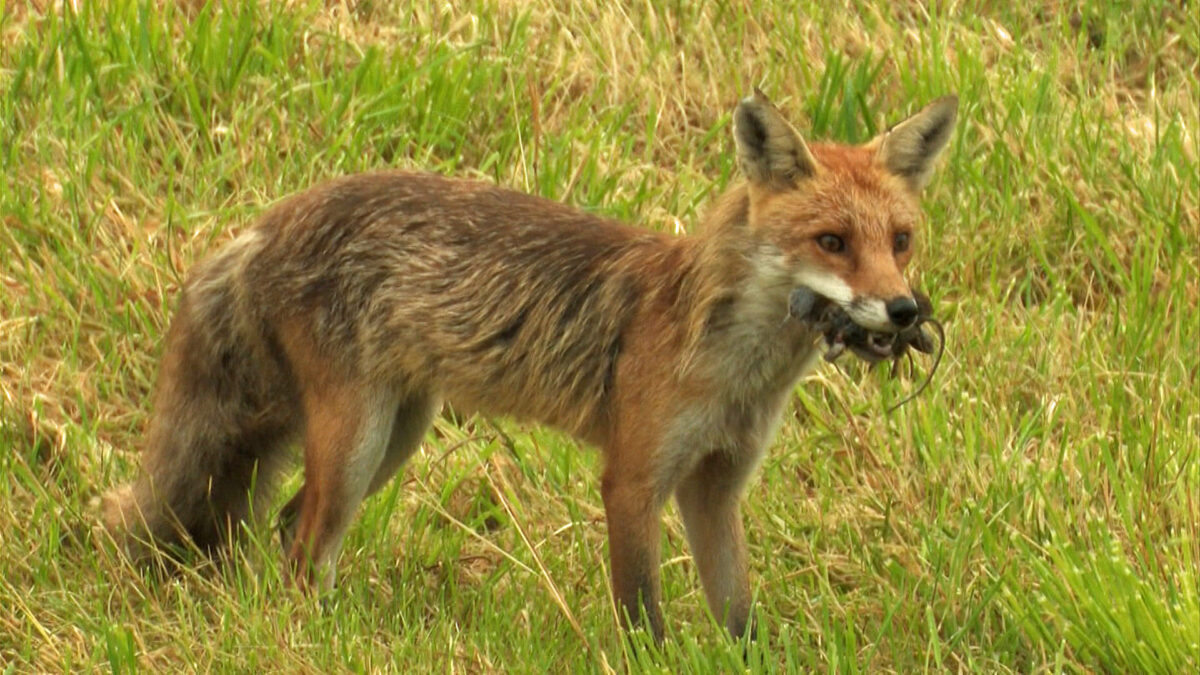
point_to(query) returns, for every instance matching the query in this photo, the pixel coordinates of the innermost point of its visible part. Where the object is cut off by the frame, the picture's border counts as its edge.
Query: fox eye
(901, 243)
(831, 243)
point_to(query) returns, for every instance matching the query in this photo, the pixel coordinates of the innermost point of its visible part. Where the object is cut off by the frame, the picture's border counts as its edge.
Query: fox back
(502, 302)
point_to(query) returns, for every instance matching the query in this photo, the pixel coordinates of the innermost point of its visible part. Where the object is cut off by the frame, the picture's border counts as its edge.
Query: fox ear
(910, 148)
(769, 150)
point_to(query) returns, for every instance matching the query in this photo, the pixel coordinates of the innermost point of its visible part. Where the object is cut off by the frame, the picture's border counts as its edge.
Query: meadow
(1037, 509)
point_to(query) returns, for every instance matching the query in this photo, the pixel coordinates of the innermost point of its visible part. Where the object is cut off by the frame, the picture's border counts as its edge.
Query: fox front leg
(709, 502)
(633, 532)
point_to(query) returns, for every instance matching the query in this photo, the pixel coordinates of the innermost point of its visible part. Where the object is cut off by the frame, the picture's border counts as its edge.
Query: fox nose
(902, 311)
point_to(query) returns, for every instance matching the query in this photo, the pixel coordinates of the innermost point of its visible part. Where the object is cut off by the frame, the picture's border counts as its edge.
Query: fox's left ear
(910, 148)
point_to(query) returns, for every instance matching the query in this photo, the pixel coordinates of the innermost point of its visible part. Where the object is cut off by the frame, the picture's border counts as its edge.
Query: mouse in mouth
(842, 333)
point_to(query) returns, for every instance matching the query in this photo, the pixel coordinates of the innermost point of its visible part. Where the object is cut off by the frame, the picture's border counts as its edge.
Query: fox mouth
(843, 333)
(876, 347)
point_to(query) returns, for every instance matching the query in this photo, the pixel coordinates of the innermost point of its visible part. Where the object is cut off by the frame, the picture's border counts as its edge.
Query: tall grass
(1038, 509)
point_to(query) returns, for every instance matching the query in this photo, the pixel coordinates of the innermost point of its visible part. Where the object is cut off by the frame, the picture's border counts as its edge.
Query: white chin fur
(827, 285)
(867, 312)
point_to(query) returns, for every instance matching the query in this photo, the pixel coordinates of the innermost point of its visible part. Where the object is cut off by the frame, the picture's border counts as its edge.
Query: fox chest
(746, 393)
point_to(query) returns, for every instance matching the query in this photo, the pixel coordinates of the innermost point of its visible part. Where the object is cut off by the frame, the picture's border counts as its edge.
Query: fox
(349, 313)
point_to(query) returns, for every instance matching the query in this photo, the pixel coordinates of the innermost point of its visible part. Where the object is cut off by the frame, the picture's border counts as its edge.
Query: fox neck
(740, 329)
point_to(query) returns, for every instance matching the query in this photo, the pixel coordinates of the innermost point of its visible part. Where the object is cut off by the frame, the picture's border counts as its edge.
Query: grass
(1036, 510)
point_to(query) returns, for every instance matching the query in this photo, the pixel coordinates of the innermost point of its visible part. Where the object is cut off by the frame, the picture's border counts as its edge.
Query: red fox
(351, 311)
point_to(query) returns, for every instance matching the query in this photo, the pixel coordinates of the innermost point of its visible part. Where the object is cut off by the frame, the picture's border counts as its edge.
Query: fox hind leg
(346, 437)
(411, 421)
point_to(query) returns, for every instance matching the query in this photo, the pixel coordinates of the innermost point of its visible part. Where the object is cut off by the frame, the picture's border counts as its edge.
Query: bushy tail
(223, 414)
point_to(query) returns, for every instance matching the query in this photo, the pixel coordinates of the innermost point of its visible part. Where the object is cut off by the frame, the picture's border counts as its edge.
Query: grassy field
(1036, 510)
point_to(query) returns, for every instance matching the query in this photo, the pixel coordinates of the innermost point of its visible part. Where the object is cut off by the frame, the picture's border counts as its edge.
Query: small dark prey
(842, 333)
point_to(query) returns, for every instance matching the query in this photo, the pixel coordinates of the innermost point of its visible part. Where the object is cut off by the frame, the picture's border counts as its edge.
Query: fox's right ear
(770, 152)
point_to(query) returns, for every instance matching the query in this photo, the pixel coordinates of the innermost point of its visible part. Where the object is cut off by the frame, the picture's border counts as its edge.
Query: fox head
(842, 218)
